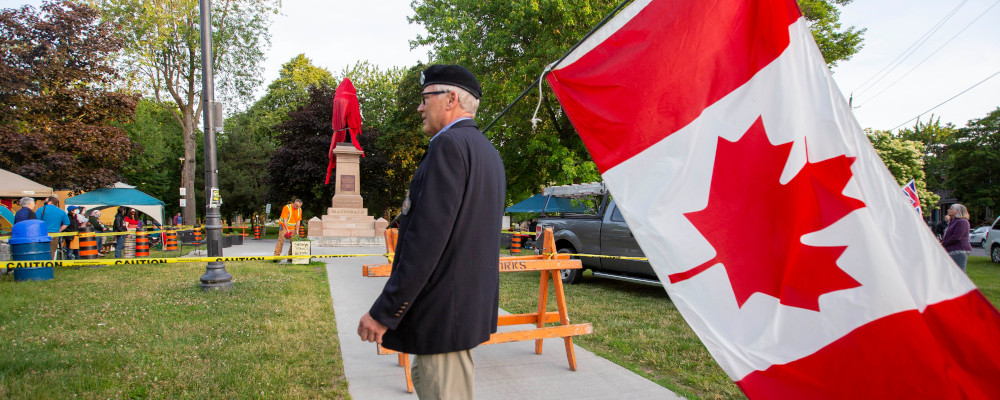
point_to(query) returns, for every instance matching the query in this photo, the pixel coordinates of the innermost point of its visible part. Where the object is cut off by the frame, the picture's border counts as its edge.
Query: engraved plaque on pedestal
(346, 183)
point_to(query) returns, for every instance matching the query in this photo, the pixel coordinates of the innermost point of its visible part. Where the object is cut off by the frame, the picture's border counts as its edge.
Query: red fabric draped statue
(346, 117)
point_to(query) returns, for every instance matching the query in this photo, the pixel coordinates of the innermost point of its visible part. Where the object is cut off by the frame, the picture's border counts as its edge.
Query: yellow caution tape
(130, 261)
(105, 234)
(517, 232)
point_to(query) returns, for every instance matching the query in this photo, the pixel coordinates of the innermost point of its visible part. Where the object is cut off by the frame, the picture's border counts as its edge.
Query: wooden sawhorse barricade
(549, 264)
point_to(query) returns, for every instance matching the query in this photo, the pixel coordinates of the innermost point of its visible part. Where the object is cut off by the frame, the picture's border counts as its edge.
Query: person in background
(941, 226)
(120, 226)
(95, 222)
(291, 215)
(55, 219)
(27, 211)
(71, 247)
(956, 237)
(178, 220)
(81, 216)
(131, 221)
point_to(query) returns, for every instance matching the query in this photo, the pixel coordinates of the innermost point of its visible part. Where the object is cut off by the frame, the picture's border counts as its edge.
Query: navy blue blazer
(444, 290)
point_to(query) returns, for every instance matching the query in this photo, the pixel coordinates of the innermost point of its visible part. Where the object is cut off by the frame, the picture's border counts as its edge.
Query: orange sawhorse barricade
(549, 263)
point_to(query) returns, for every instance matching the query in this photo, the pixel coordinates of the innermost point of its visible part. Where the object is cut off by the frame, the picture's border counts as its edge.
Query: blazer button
(398, 314)
(405, 303)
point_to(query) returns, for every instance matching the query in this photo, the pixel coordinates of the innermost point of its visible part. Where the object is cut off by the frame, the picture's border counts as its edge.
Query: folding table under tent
(121, 197)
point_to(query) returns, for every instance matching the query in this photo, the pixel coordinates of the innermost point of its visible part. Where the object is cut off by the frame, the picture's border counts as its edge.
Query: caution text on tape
(131, 261)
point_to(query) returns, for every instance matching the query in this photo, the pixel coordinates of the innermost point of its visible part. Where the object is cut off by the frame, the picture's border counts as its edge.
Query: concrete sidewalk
(503, 371)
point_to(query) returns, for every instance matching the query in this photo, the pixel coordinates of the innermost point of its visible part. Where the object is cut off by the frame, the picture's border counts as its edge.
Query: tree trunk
(190, 158)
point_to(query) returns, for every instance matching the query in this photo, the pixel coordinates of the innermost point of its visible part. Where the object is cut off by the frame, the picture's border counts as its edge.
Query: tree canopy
(58, 114)
(162, 54)
(153, 166)
(250, 138)
(936, 139)
(836, 44)
(975, 172)
(299, 164)
(905, 161)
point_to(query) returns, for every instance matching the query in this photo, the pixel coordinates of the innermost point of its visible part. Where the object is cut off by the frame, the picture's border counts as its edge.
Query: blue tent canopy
(103, 198)
(534, 204)
(7, 214)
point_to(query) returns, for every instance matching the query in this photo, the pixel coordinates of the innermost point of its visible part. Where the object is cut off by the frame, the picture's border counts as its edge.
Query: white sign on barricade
(301, 248)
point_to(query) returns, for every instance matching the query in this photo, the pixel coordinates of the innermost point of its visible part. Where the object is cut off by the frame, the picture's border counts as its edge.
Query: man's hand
(371, 330)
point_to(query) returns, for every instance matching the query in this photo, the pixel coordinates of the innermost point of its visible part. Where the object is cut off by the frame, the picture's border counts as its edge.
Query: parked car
(992, 244)
(586, 220)
(978, 236)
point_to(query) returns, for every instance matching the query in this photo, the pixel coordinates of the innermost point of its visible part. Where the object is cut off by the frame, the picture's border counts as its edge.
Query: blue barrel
(29, 241)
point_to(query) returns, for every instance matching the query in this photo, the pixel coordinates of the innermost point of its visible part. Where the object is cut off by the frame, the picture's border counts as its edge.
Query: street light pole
(216, 277)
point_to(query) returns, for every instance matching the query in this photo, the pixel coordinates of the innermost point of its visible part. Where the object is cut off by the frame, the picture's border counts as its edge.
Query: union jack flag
(910, 191)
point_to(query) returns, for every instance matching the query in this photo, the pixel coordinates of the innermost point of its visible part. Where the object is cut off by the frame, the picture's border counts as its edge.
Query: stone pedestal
(347, 217)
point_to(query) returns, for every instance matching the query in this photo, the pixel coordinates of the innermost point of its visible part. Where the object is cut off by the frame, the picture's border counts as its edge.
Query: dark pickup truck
(586, 220)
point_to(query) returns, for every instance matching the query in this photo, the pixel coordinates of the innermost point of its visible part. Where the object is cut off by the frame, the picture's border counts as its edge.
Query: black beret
(456, 75)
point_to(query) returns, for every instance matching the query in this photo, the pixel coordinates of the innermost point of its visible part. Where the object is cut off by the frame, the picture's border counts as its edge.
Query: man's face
(296, 205)
(433, 108)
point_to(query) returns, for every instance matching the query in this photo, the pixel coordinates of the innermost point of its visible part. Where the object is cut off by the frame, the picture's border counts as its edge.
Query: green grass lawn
(148, 331)
(635, 326)
(638, 327)
(986, 275)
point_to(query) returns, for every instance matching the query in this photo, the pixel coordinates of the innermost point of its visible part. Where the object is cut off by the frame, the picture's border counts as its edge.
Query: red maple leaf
(756, 224)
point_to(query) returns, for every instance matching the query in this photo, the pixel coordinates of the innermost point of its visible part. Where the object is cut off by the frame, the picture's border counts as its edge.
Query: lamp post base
(216, 277)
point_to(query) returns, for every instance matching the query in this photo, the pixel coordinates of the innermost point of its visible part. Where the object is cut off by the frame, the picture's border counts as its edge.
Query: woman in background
(956, 236)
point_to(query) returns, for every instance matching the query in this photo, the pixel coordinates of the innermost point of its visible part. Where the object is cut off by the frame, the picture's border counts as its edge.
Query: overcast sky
(336, 34)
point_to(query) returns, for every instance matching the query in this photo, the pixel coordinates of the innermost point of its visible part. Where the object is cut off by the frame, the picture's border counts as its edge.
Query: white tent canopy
(14, 185)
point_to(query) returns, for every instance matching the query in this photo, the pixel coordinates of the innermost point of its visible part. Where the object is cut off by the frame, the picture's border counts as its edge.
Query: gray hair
(960, 211)
(26, 201)
(466, 100)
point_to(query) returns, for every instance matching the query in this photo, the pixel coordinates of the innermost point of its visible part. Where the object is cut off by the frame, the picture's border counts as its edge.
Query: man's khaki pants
(281, 243)
(444, 376)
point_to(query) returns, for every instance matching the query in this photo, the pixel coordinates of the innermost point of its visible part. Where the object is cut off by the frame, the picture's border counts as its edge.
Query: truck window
(578, 205)
(616, 215)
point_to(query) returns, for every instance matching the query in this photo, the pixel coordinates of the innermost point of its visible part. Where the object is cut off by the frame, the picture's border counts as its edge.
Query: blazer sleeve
(431, 222)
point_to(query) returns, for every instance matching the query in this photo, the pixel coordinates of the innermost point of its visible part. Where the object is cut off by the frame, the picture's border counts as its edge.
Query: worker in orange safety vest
(291, 217)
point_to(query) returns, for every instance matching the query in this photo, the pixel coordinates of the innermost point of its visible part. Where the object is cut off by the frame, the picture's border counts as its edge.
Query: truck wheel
(994, 254)
(570, 276)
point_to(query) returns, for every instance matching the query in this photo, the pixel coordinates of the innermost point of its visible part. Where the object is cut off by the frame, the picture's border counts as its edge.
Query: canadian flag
(765, 211)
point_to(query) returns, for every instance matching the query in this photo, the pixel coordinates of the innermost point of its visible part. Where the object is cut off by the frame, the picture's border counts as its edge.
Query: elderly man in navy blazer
(442, 297)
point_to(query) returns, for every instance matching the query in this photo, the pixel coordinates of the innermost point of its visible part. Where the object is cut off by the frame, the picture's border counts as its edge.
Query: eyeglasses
(423, 96)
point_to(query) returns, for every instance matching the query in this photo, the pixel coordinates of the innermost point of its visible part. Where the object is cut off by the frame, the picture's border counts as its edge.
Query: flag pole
(545, 71)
